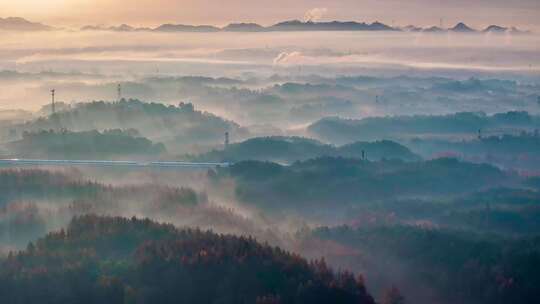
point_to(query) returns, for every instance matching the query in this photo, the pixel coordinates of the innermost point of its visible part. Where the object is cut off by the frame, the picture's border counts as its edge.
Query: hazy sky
(524, 13)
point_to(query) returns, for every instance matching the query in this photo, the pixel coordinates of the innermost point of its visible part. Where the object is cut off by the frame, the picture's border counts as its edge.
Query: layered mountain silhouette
(463, 28)
(292, 25)
(20, 24)
(301, 26)
(296, 25)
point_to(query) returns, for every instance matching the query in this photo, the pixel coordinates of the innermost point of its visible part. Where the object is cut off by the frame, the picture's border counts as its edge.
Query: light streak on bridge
(113, 163)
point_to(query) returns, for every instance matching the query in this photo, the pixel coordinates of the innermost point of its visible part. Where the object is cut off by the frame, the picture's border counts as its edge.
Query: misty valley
(299, 162)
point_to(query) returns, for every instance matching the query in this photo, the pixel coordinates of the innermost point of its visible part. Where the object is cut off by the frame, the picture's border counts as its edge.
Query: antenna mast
(119, 91)
(53, 91)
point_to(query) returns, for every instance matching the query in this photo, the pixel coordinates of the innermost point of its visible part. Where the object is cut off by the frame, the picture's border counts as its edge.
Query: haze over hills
(109, 144)
(292, 149)
(105, 254)
(173, 125)
(339, 130)
(303, 139)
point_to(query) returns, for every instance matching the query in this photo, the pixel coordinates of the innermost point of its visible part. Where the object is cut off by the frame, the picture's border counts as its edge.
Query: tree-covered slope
(118, 260)
(338, 130)
(109, 144)
(291, 149)
(447, 265)
(340, 182)
(181, 124)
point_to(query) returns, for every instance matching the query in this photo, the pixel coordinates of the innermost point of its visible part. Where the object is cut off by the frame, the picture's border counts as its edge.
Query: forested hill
(456, 266)
(338, 130)
(109, 144)
(156, 121)
(339, 182)
(118, 260)
(291, 149)
(520, 152)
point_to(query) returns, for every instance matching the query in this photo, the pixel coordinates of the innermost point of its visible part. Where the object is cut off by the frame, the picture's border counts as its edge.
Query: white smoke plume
(315, 14)
(287, 58)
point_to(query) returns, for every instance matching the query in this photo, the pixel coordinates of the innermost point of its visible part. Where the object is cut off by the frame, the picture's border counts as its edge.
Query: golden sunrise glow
(23, 7)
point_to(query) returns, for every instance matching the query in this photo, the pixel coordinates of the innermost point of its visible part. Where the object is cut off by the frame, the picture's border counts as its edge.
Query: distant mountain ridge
(302, 26)
(461, 27)
(20, 24)
(296, 25)
(291, 25)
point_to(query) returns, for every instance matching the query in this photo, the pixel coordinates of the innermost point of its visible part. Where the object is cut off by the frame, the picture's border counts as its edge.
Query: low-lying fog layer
(80, 64)
(410, 158)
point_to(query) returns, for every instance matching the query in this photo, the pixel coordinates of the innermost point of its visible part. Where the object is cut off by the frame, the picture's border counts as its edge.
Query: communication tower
(53, 105)
(119, 91)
